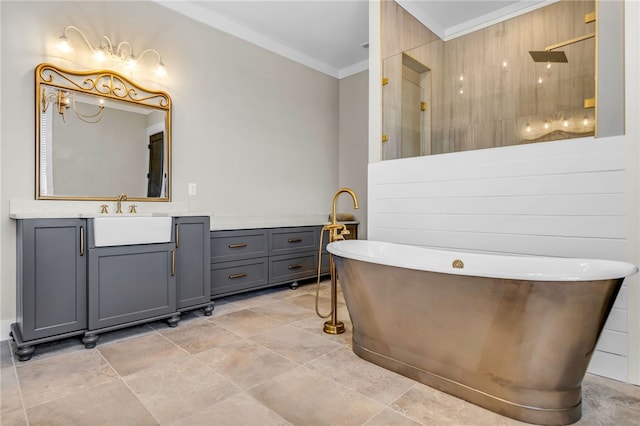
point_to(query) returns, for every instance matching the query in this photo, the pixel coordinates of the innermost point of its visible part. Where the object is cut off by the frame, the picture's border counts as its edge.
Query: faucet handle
(132, 208)
(104, 208)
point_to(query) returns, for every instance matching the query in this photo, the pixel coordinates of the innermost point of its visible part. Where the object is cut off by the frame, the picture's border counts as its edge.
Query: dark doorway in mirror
(156, 161)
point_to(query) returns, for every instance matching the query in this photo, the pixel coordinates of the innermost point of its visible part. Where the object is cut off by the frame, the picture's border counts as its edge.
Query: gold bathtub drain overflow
(459, 264)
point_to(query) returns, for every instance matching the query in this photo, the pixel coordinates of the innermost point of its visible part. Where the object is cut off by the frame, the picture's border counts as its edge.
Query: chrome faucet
(122, 197)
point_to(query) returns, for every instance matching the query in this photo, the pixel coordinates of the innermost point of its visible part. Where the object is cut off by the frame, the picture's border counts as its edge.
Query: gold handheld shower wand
(336, 232)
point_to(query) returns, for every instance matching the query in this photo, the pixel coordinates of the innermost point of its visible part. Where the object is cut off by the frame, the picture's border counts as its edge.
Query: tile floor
(260, 359)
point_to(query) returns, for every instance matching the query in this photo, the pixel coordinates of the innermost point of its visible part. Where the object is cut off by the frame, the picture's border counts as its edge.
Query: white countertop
(89, 215)
(222, 223)
(54, 209)
(30, 209)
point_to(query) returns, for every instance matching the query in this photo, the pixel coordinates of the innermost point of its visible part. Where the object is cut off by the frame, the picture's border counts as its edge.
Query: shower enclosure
(485, 89)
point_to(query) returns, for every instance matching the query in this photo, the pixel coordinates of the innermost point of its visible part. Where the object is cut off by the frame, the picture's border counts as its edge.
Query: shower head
(548, 56)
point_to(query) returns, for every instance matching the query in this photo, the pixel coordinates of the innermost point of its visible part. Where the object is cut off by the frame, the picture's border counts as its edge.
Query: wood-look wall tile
(500, 100)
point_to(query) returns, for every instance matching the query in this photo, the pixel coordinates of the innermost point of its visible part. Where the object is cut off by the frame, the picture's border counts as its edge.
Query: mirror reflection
(102, 139)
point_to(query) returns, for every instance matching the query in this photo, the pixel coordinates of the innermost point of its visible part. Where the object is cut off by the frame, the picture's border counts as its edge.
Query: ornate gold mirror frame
(87, 123)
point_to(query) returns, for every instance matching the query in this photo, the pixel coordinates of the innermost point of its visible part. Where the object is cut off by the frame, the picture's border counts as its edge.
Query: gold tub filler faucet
(337, 232)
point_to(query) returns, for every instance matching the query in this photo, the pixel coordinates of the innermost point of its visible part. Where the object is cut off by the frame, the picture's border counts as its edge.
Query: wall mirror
(530, 78)
(98, 134)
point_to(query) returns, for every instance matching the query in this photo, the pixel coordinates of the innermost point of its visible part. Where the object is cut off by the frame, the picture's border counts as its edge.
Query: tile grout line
(127, 384)
(19, 385)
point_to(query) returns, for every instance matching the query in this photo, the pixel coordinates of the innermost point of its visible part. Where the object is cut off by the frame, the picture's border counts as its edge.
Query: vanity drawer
(293, 240)
(232, 277)
(292, 267)
(236, 245)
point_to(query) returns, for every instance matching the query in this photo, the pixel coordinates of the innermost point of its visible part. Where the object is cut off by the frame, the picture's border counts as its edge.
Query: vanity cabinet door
(193, 277)
(52, 285)
(130, 283)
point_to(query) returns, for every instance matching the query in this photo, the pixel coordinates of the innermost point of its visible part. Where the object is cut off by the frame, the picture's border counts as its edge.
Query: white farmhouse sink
(127, 230)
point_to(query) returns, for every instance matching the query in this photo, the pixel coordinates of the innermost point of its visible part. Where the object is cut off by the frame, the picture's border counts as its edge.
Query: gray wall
(352, 171)
(257, 133)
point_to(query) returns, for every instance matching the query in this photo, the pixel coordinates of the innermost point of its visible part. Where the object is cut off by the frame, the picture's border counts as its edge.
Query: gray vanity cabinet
(131, 283)
(51, 277)
(246, 260)
(51, 291)
(293, 253)
(239, 261)
(193, 278)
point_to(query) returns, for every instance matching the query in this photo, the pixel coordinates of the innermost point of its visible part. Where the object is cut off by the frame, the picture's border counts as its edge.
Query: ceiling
(328, 35)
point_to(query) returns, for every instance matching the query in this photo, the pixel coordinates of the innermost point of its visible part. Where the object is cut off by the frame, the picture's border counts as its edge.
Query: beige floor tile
(108, 404)
(254, 380)
(251, 300)
(57, 376)
(306, 287)
(283, 311)
(237, 410)
(315, 325)
(223, 307)
(348, 369)
(282, 292)
(126, 333)
(10, 399)
(6, 354)
(133, 355)
(245, 363)
(430, 406)
(389, 417)
(608, 402)
(247, 323)
(304, 397)
(308, 300)
(198, 336)
(295, 344)
(14, 418)
(178, 388)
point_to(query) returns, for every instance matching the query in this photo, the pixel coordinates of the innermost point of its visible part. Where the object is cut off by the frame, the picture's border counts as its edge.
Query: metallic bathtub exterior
(519, 348)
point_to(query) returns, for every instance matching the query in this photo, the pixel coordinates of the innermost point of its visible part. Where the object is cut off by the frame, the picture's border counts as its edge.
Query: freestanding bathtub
(512, 334)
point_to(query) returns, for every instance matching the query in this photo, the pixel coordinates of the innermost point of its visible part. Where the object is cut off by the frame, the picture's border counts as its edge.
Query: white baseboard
(5, 328)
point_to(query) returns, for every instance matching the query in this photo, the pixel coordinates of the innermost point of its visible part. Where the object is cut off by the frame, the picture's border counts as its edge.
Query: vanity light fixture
(64, 100)
(121, 53)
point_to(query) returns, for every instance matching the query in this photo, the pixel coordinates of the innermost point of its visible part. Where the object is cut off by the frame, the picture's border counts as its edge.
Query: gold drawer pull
(81, 240)
(234, 276)
(237, 245)
(294, 240)
(297, 266)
